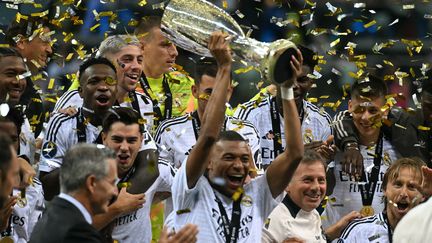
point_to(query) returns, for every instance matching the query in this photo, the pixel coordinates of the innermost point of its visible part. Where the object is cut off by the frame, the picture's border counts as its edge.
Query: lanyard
(196, 124)
(231, 229)
(168, 98)
(367, 191)
(81, 128)
(275, 119)
(134, 98)
(389, 231)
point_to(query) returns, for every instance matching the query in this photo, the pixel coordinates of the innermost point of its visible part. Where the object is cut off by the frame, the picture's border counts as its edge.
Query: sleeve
(264, 197)
(55, 145)
(275, 230)
(38, 205)
(166, 174)
(344, 129)
(166, 154)
(184, 197)
(351, 233)
(70, 98)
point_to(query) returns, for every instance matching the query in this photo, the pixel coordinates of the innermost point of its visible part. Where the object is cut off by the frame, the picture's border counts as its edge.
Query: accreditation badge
(367, 211)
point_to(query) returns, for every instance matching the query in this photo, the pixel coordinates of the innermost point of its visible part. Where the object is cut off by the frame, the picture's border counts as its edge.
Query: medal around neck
(190, 23)
(367, 211)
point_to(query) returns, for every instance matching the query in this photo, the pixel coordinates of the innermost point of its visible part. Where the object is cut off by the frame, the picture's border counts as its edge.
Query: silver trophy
(189, 24)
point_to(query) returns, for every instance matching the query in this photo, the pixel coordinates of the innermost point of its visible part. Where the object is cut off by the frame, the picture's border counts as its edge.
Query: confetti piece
(330, 7)
(51, 84)
(388, 63)
(408, 6)
(243, 70)
(359, 5)
(335, 42)
(142, 3)
(394, 22)
(94, 27)
(239, 14)
(183, 211)
(423, 128)
(371, 23)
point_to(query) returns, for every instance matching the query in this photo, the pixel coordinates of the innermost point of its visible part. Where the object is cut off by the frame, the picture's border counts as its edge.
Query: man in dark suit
(88, 179)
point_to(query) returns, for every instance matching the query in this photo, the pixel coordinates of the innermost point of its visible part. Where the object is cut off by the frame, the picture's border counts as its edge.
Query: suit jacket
(62, 222)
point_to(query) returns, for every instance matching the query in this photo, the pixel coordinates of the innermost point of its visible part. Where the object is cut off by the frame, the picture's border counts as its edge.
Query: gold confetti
(371, 23)
(423, 128)
(69, 57)
(225, 4)
(388, 63)
(94, 27)
(243, 70)
(335, 42)
(237, 194)
(142, 3)
(51, 84)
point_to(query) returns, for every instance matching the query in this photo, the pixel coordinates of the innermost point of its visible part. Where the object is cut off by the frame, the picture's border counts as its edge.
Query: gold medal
(7, 239)
(367, 211)
(21, 202)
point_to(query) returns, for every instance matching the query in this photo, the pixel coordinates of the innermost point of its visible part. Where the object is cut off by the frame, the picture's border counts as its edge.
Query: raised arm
(214, 114)
(281, 170)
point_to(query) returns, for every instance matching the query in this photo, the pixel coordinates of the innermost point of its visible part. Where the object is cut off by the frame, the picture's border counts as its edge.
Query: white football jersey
(372, 229)
(177, 136)
(346, 195)
(72, 98)
(198, 206)
(25, 216)
(315, 124)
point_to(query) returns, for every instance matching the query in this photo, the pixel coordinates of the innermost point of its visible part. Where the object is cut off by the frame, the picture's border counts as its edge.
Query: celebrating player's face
(204, 89)
(367, 114)
(303, 84)
(402, 193)
(98, 87)
(308, 185)
(12, 86)
(129, 68)
(159, 53)
(126, 141)
(229, 165)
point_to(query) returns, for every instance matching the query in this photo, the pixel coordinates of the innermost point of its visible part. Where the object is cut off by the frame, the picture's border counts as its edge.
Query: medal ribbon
(368, 191)
(231, 229)
(275, 119)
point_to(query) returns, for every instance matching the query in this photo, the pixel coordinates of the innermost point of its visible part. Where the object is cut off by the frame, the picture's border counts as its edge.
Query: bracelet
(287, 93)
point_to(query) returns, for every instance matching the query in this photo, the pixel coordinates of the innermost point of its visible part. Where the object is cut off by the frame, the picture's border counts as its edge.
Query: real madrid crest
(246, 201)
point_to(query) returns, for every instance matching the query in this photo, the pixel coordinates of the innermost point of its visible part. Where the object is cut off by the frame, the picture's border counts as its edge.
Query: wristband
(287, 93)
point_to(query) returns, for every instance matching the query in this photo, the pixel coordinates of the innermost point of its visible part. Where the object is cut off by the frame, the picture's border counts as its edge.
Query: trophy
(189, 24)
